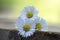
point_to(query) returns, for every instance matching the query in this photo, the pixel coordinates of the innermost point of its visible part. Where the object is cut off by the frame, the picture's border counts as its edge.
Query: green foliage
(6, 4)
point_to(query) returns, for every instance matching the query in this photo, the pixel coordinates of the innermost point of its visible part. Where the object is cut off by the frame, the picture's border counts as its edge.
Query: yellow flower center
(29, 15)
(38, 26)
(26, 28)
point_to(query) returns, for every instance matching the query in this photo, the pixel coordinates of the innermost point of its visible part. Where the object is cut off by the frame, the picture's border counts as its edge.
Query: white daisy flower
(25, 28)
(29, 13)
(41, 24)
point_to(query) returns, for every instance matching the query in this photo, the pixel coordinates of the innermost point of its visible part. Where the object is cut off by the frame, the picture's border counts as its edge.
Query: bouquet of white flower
(29, 22)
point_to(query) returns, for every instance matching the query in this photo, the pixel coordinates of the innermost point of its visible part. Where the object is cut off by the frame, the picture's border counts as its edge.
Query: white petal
(22, 33)
(19, 23)
(29, 8)
(44, 25)
(35, 12)
(28, 33)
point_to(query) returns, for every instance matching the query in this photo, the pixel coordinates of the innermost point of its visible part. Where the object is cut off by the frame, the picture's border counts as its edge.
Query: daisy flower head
(41, 24)
(25, 28)
(29, 13)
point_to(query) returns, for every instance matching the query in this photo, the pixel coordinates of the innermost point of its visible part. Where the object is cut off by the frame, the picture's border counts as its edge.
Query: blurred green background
(48, 9)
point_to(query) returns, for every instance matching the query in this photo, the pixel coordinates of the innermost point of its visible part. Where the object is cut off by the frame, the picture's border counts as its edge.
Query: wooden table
(9, 25)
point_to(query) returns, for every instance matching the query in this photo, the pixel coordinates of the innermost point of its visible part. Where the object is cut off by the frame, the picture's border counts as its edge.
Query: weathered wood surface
(13, 35)
(36, 36)
(9, 32)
